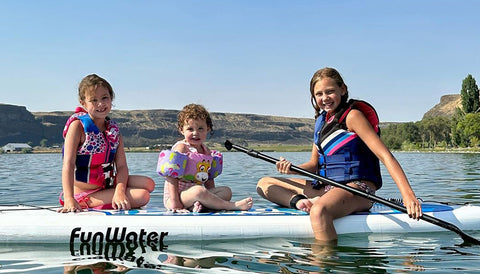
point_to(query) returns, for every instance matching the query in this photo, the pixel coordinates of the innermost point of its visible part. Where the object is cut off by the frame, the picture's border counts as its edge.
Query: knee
(149, 185)
(141, 182)
(319, 211)
(199, 191)
(228, 193)
(262, 185)
(143, 197)
(146, 197)
(264, 181)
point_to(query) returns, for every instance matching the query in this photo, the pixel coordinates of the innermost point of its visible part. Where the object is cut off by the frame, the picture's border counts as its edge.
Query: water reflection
(372, 253)
(439, 177)
(98, 268)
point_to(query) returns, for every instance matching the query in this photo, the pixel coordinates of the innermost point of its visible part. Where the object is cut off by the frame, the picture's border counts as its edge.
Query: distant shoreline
(263, 148)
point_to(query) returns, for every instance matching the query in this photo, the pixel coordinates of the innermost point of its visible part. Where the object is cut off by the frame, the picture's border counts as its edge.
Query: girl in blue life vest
(190, 167)
(94, 171)
(347, 149)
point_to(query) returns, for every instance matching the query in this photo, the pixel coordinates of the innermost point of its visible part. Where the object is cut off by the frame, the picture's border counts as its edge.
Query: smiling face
(328, 94)
(98, 103)
(331, 84)
(195, 132)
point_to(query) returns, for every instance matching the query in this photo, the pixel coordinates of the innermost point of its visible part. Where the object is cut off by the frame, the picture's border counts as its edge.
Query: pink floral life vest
(95, 157)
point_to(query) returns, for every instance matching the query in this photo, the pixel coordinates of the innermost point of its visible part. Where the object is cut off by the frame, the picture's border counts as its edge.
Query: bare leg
(281, 190)
(334, 204)
(142, 182)
(223, 192)
(138, 192)
(210, 200)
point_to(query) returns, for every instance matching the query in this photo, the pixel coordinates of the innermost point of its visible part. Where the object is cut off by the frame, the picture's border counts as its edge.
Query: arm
(359, 124)
(73, 139)
(312, 164)
(210, 183)
(119, 199)
(283, 166)
(174, 202)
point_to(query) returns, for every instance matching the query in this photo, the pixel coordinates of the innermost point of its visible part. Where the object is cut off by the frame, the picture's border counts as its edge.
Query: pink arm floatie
(194, 167)
(171, 163)
(217, 164)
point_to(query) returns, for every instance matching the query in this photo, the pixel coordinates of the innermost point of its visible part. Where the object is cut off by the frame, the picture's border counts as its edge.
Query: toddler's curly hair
(195, 112)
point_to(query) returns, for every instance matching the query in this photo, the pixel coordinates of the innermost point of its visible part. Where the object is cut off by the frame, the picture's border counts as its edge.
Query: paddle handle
(449, 226)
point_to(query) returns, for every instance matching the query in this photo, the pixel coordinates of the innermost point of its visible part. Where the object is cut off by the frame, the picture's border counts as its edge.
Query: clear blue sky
(248, 56)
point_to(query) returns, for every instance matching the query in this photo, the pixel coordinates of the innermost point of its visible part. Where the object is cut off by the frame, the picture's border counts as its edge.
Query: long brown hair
(321, 74)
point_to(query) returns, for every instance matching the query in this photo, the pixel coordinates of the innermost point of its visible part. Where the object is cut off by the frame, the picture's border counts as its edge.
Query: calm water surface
(36, 179)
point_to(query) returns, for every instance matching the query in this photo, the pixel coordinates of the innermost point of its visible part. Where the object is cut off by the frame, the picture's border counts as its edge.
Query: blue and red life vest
(343, 156)
(95, 157)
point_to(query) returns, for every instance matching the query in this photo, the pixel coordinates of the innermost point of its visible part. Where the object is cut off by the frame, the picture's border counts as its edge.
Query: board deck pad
(268, 210)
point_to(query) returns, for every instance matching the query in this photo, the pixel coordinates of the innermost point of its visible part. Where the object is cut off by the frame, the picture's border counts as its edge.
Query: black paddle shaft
(449, 226)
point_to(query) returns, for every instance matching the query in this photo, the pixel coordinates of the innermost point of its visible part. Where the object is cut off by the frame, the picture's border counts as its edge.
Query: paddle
(467, 238)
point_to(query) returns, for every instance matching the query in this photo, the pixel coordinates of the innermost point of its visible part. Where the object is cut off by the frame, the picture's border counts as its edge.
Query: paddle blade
(467, 239)
(228, 145)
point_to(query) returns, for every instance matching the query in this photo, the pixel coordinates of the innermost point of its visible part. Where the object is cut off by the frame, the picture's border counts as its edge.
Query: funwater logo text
(116, 244)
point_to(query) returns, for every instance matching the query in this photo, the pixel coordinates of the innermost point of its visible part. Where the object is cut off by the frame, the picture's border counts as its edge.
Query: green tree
(475, 142)
(470, 95)
(410, 132)
(467, 131)
(398, 135)
(435, 130)
(458, 116)
(390, 137)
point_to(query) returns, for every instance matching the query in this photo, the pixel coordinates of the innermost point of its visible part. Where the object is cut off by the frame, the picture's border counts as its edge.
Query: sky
(238, 56)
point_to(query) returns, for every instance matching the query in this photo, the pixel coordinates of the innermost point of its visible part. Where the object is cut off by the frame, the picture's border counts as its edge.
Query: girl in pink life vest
(190, 167)
(346, 148)
(94, 171)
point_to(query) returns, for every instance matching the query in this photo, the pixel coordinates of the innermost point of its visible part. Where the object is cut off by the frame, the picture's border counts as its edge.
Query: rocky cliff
(158, 127)
(446, 107)
(17, 124)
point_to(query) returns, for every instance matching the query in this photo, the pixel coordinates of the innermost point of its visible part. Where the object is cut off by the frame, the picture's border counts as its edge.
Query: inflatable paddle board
(154, 226)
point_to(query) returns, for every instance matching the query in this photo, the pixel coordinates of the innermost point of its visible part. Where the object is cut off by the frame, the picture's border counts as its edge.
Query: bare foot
(197, 207)
(244, 204)
(305, 204)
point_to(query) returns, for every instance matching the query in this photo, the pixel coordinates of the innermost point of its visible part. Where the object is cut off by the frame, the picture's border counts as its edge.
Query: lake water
(443, 177)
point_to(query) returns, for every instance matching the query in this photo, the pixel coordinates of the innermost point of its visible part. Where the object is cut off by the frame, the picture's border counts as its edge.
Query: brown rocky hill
(446, 107)
(158, 127)
(18, 125)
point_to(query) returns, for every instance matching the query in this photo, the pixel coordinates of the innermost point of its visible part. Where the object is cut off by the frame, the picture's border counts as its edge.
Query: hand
(176, 206)
(179, 210)
(283, 166)
(121, 204)
(70, 205)
(120, 201)
(414, 207)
